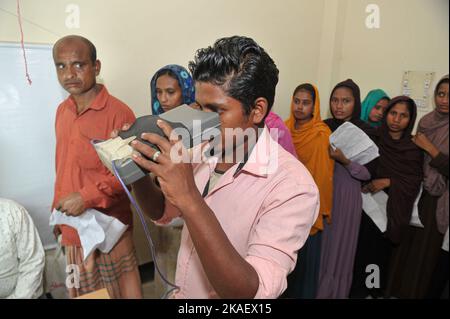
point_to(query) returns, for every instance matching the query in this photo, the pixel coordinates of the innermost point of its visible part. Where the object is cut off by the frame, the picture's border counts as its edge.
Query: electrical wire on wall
(19, 17)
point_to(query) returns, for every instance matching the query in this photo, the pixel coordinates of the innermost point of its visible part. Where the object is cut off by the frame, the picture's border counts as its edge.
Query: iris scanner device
(194, 127)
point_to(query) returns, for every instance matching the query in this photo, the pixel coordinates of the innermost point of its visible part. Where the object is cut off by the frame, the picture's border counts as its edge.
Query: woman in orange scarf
(311, 140)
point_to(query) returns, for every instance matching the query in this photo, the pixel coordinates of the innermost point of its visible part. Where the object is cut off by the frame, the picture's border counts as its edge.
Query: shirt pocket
(86, 155)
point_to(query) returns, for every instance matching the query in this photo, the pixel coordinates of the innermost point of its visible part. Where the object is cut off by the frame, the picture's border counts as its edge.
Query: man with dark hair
(82, 182)
(245, 218)
(241, 68)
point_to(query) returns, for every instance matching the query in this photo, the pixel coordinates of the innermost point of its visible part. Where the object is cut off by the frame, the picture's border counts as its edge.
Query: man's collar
(99, 102)
(261, 156)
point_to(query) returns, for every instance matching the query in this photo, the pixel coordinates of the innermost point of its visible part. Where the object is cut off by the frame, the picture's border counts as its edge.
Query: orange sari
(311, 142)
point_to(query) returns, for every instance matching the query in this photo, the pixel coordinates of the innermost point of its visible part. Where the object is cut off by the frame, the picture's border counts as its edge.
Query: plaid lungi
(117, 271)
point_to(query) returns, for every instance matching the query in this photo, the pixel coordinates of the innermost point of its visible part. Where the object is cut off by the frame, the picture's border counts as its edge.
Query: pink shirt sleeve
(273, 246)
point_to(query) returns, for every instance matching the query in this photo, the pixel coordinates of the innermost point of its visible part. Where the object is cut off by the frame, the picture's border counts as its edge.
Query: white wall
(413, 35)
(136, 39)
(321, 41)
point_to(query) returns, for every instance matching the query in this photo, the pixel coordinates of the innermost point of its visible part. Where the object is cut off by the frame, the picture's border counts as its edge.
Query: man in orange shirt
(82, 182)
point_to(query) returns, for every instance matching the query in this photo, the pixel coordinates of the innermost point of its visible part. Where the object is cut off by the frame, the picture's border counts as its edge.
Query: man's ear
(98, 66)
(260, 110)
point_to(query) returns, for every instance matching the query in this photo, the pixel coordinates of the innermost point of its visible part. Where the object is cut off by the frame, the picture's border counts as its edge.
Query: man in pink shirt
(245, 218)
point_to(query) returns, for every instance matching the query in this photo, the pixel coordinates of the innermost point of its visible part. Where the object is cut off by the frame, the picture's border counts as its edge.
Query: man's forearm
(149, 197)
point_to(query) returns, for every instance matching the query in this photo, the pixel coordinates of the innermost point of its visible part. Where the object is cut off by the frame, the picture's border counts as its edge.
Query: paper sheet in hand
(354, 143)
(375, 207)
(96, 230)
(446, 242)
(415, 220)
(114, 149)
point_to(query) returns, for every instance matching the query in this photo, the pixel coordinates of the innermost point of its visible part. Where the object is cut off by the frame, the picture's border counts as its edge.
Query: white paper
(374, 205)
(445, 244)
(95, 229)
(354, 143)
(114, 149)
(415, 219)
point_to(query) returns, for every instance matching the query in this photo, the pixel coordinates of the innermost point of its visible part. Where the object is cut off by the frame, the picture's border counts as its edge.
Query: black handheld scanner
(147, 124)
(193, 126)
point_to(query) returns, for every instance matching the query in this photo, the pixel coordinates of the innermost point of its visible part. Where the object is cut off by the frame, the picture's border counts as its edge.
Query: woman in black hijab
(417, 258)
(398, 173)
(342, 113)
(340, 238)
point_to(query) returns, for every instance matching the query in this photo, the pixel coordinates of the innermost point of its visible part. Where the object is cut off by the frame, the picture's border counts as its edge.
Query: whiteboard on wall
(417, 85)
(27, 135)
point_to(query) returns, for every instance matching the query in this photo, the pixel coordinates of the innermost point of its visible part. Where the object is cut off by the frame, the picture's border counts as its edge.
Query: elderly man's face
(76, 72)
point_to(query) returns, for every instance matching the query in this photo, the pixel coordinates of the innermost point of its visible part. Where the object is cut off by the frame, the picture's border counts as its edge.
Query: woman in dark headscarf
(399, 174)
(340, 238)
(345, 105)
(401, 163)
(415, 262)
(170, 87)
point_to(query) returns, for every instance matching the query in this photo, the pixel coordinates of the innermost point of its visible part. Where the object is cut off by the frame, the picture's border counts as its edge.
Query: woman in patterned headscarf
(170, 87)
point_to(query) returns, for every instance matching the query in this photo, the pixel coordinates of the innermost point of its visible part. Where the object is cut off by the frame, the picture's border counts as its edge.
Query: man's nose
(69, 73)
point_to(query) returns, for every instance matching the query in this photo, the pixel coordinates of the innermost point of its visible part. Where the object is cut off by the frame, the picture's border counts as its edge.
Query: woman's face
(168, 92)
(303, 106)
(398, 118)
(377, 113)
(442, 99)
(342, 104)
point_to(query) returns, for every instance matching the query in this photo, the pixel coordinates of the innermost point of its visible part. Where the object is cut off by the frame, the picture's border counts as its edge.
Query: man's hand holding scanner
(175, 178)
